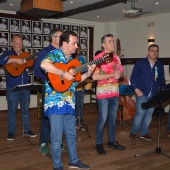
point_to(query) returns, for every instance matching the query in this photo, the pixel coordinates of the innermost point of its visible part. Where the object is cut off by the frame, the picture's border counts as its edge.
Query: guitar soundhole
(62, 81)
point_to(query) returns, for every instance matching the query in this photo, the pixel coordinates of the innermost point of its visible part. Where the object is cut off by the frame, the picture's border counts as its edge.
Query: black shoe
(10, 136)
(115, 145)
(30, 134)
(100, 150)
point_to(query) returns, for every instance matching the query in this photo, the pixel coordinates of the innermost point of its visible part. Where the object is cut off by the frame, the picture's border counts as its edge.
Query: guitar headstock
(108, 57)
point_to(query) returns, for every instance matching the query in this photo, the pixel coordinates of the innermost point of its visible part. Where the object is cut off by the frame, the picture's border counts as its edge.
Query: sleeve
(134, 75)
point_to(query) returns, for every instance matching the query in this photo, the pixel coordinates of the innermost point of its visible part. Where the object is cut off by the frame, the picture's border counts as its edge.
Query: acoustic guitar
(75, 68)
(16, 69)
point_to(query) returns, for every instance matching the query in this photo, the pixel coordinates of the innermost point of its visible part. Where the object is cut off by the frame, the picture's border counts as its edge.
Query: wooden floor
(23, 155)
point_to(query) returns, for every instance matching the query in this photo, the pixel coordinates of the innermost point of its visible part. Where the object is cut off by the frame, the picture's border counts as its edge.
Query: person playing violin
(22, 96)
(107, 94)
(146, 79)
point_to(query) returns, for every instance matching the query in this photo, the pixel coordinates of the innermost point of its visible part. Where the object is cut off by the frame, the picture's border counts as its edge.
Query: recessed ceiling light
(11, 4)
(71, 2)
(157, 3)
(98, 16)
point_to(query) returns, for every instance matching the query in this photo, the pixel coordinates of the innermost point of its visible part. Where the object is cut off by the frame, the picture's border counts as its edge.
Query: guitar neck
(97, 62)
(31, 56)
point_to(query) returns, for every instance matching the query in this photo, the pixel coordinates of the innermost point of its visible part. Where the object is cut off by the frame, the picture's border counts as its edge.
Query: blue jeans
(107, 112)
(143, 117)
(79, 106)
(59, 124)
(45, 124)
(22, 96)
(168, 123)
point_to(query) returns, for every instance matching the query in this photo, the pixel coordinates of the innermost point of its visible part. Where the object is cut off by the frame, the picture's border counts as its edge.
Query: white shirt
(83, 34)
(46, 30)
(14, 28)
(37, 43)
(46, 43)
(3, 27)
(26, 43)
(3, 84)
(83, 46)
(3, 41)
(37, 30)
(25, 29)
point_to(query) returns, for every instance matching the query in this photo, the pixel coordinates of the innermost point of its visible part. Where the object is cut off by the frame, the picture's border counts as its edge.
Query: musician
(79, 92)
(45, 124)
(22, 96)
(146, 78)
(60, 106)
(107, 94)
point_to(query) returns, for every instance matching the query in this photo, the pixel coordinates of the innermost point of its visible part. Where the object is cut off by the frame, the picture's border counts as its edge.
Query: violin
(127, 103)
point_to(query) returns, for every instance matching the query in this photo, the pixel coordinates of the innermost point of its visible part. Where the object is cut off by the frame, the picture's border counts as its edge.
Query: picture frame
(37, 27)
(84, 55)
(26, 26)
(27, 40)
(2, 82)
(83, 32)
(46, 28)
(56, 26)
(15, 25)
(3, 49)
(4, 38)
(75, 29)
(4, 24)
(83, 44)
(36, 40)
(46, 40)
(66, 27)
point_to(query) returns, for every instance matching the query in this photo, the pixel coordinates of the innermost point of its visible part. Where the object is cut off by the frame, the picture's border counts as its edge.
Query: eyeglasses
(154, 51)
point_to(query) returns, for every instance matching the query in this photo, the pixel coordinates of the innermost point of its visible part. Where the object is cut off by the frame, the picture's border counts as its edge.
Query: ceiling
(113, 13)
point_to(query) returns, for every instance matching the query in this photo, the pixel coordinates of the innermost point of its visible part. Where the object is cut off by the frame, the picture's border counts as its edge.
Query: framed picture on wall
(2, 70)
(37, 27)
(4, 24)
(28, 50)
(4, 38)
(66, 27)
(37, 40)
(26, 40)
(3, 49)
(83, 31)
(84, 55)
(14, 25)
(2, 82)
(57, 26)
(26, 26)
(36, 50)
(83, 44)
(75, 29)
(46, 28)
(46, 40)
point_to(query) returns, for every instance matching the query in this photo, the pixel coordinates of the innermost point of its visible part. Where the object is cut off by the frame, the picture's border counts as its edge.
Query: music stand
(25, 87)
(156, 101)
(124, 90)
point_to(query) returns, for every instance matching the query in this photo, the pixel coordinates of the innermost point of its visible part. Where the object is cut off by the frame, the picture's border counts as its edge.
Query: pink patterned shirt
(108, 87)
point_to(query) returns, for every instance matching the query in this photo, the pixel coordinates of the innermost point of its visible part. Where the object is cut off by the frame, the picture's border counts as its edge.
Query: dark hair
(53, 32)
(153, 45)
(65, 37)
(98, 52)
(103, 38)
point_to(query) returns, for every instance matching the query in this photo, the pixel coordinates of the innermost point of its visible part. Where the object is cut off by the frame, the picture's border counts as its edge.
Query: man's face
(108, 44)
(56, 39)
(70, 47)
(17, 44)
(153, 53)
